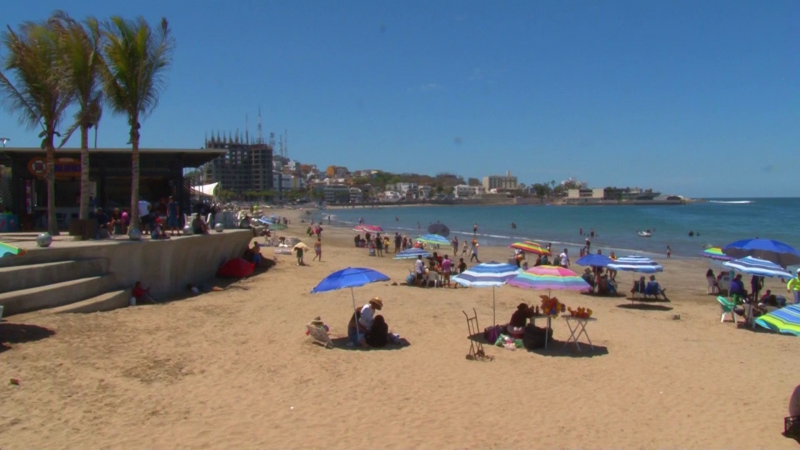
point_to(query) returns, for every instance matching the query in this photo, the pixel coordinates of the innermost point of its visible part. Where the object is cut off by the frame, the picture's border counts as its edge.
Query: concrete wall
(165, 266)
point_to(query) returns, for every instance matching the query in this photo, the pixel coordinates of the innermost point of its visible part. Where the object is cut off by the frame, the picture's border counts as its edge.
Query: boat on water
(644, 233)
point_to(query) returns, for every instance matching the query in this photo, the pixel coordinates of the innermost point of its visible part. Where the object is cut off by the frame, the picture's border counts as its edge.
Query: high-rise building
(245, 167)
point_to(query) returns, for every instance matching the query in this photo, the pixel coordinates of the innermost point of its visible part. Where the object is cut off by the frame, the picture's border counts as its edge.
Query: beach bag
(491, 334)
(534, 337)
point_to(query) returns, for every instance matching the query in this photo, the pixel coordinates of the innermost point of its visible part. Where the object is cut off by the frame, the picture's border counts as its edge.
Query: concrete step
(103, 302)
(55, 295)
(35, 275)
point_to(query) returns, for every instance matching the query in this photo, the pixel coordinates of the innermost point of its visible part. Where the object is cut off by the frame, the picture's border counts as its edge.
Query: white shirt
(564, 259)
(419, 266)
(143, 208)
(367, 316)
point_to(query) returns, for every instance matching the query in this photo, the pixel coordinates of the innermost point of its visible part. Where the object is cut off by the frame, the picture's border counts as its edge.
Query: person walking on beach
(588, 246)
(379, 244)
(669, 252)
(318, 250)
(564, 259)
(464, 250)
(455, 246)
(474, 254)
(397, 241)
(446, 268)
(793, 286)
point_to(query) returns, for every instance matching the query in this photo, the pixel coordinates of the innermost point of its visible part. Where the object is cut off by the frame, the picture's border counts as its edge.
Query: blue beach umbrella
(767, 249)
(594, 261)
(413, 253)
(636, 264)
(757, 267)
(350, 277)
(488, 274)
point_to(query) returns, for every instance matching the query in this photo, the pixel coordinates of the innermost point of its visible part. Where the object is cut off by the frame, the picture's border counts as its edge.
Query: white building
(500, 182)
(586, 193)
(286, 182)
(465, 191)
(408, 190)
(391, 196)
(424, 192)
(356, 195)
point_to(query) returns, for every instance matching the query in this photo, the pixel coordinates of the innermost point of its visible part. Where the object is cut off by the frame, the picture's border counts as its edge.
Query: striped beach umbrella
(433, 239)
(636, 264)
(413, 253)
(488, 274)
(550, 278)
(785, 320)
(775, 251)
(716, 254)
(530, 247)
(10, 250)
(758, 267)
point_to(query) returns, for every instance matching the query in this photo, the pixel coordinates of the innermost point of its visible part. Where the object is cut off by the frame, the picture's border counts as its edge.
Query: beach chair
(476, 352)
(727, 307)
(638, 290)
(320, 336)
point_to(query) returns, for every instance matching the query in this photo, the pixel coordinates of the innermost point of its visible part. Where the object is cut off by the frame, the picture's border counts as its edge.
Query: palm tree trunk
(85, 184)
(52, 222)
(135, 182)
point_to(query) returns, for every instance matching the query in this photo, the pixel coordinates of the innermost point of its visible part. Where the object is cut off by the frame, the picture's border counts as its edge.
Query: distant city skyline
(689, 98)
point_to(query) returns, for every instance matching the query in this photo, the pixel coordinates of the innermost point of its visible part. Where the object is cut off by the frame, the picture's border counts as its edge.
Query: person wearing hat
(368, 313)
(793, 286)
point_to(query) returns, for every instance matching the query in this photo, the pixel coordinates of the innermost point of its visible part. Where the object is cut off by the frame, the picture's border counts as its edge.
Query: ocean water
(719, 222)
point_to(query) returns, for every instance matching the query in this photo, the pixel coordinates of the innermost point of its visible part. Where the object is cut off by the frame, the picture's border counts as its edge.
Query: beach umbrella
(350, 277)
(439, 228)
(716, 254)
(758, 267)
(551, 278)
(530, 247)
(488, 274)
(594, 261)
(775, 251)
(636, 264)
(413, 253)
(433, 239)
(10, 250)
(785, 320)
(368, 228)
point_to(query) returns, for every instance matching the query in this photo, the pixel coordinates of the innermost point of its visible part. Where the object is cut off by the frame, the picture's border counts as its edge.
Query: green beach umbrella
(10, 250)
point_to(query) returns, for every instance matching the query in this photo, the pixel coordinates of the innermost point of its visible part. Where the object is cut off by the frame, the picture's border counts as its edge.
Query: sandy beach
(234, 369)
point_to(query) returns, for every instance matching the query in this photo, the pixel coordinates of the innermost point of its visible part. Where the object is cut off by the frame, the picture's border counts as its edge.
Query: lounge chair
(638, 290)
(320, 336)
(727, 307)
(653, 289)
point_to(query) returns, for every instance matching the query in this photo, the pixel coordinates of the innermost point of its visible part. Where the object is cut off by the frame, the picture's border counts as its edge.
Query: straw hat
(377, 303)
(317, 322)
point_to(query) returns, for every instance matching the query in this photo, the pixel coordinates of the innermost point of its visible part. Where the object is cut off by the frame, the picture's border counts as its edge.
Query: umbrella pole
(494, 308)
(355, 316)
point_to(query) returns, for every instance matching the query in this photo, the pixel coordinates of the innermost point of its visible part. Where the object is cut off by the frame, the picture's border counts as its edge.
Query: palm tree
(133, 78)
(81, 62)
(40, 95)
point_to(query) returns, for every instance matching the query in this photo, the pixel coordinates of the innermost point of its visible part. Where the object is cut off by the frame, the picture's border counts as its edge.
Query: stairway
(62, 286)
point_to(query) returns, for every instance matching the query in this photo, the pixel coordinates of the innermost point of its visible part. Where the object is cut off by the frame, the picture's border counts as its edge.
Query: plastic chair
(727, 307)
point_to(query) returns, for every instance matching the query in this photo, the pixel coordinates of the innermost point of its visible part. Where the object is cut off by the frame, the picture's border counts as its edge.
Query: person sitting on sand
(378, 334)
(588, 277)
(141, 294)
(545, 261)
(462, 266)
(516, 326)
(367, 316)
(158, 230)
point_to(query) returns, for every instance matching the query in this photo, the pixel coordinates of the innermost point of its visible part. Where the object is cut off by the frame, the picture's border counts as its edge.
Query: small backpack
(491, 334)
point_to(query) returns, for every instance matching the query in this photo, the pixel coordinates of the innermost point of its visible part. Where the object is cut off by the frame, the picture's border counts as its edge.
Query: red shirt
(138, 292)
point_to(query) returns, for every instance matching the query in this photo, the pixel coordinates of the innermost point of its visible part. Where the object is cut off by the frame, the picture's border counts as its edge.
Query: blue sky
(681, 96)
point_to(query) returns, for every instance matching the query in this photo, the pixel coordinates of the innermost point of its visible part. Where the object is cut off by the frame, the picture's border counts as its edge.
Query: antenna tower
(286, 143)
(246, 129)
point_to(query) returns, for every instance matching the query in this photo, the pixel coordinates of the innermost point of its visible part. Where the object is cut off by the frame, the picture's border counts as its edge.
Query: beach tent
(235, 268)
(489, 274)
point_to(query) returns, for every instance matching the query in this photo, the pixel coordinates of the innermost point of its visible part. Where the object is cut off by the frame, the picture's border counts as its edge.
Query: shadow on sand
(647, 306)
(555, 348)
(341, 344)
(19, 333)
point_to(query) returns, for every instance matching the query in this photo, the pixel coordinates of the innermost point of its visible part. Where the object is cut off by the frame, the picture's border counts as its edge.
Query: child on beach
(464, 249)
(318, 250)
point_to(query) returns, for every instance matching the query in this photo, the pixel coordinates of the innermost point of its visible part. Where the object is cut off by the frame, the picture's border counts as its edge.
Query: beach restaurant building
(161, 173)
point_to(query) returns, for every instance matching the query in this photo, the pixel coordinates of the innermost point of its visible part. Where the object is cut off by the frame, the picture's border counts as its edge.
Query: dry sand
(234, 369)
